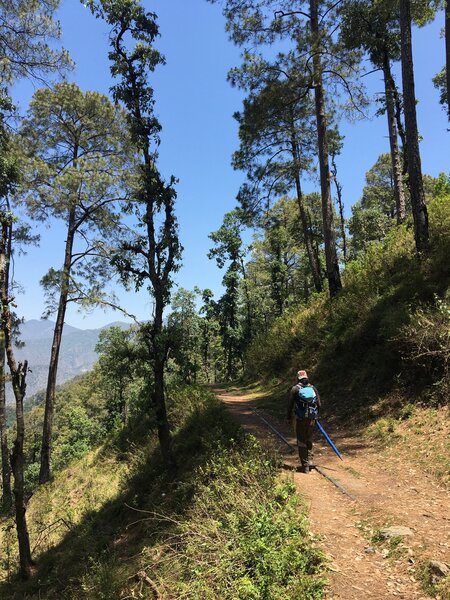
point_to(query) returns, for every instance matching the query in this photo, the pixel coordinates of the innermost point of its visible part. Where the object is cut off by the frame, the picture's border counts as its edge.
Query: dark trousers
(304, 429)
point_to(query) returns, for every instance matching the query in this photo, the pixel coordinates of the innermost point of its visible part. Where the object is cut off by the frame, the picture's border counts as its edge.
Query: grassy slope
(215, 529)
(361, 349)
(114, 524)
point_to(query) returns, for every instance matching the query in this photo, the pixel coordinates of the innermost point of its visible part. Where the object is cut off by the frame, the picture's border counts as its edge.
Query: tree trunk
(278, 292)
(233, 320)
(419, 208)
(248, 304)
(401, 132)
(18, 377)
(47, 432)
(164, 435)
(393, 141)
(332, 266)
(447, 53)
(18, 463)
(6, 470)
(316, 249)
(315, 271)
(159, 401)
(340, 205)
(230, 369)
(123, 402)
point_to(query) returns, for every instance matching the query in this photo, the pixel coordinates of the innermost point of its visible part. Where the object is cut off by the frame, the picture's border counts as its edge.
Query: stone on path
(396, 531)
(438, 569)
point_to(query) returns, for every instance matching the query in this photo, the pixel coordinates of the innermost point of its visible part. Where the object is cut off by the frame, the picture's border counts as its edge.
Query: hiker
(304, 401)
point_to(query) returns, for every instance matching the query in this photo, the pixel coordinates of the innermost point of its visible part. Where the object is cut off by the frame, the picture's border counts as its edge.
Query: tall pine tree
(148, 257)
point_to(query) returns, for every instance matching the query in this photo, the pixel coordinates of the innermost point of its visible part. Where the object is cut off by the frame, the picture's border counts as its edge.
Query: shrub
(243, 538)
(425, 344)
(390, 319)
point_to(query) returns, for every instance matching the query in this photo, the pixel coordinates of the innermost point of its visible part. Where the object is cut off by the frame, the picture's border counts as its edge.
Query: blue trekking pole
(335, 450)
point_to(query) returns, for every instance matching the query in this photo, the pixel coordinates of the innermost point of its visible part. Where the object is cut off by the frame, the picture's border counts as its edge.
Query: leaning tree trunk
(313, 264)
(419, 209)
(47, 432)
(399, 192)
(332, 265)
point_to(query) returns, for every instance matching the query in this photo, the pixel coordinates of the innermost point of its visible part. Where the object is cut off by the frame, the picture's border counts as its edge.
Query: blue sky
(195, 105)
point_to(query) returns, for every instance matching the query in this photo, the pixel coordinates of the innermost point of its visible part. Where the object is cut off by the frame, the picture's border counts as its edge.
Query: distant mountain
(77, 353)
(39, 330)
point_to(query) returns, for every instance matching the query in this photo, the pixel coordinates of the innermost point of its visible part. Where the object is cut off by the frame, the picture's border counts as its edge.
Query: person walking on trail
(304, 402)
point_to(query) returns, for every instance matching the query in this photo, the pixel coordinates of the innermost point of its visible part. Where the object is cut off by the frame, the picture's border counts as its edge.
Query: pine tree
(376, 30)
(27, 33)
(277, 143)
(149, 258)
(324, 64)
(76, 165)
(228, 250)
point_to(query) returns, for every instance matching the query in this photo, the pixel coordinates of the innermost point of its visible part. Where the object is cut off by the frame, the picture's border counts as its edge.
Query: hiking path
(385, 491)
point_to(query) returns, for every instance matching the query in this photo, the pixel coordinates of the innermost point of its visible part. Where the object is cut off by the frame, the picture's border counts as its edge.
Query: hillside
(383, 344)
(116, 514)
(77, 353)
(116, 523)
(263, 184)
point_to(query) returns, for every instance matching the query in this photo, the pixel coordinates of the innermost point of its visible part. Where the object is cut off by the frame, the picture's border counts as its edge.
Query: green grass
(393, 546)
(366, 342)
(436, 587)
(222, 526)
(383, 430)
(378, 352)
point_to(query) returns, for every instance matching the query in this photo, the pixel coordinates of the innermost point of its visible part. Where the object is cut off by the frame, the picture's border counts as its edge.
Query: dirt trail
(387, 492)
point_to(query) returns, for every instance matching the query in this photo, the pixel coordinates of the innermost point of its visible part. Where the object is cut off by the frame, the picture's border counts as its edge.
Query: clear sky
(195, 104)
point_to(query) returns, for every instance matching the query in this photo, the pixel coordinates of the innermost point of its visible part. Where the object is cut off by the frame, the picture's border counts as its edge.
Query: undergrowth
(243, 536)
(388, 329)
(435, 586)
(378, 352)
(221, 526)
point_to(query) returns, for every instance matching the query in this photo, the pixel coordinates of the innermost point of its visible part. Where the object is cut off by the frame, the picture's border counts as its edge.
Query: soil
(385, 489)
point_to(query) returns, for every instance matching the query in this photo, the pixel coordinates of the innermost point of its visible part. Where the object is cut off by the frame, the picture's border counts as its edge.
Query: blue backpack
(306, 406)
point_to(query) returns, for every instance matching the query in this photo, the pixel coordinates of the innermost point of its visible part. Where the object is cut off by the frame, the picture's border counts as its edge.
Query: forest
(132, 480)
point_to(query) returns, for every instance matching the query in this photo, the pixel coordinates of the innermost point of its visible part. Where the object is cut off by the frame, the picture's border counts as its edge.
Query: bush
(390, 322)
(425, 344)
(76, 435)
(243, 538)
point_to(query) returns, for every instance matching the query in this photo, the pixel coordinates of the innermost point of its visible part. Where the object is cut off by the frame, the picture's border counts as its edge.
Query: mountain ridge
(77, 354)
